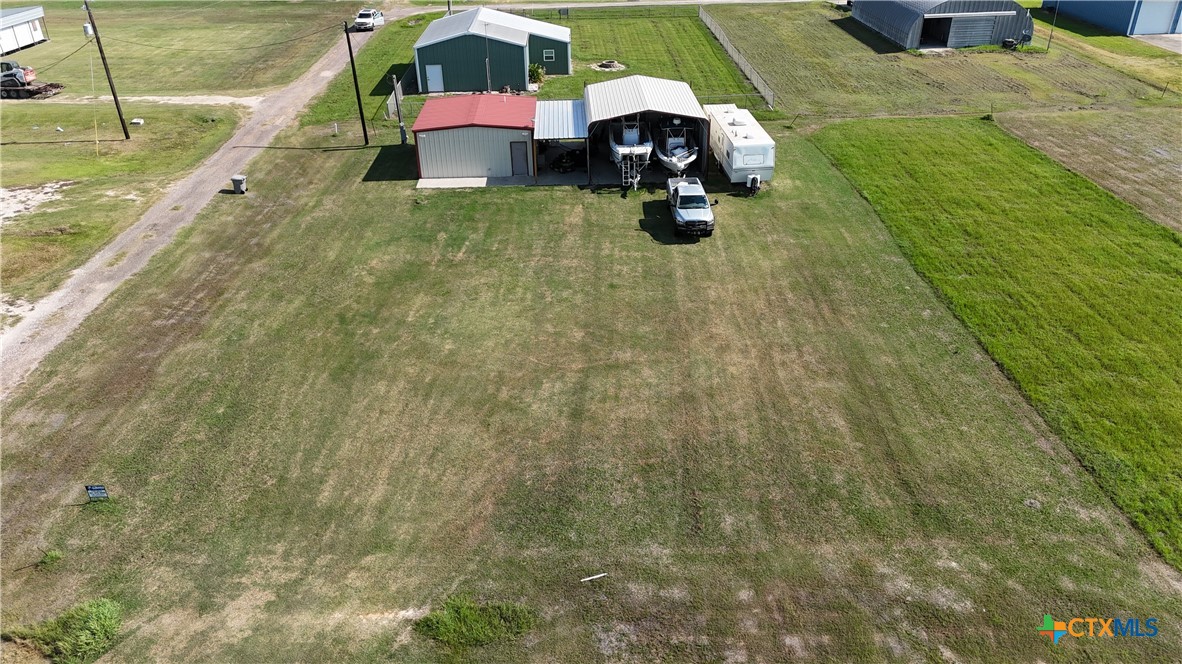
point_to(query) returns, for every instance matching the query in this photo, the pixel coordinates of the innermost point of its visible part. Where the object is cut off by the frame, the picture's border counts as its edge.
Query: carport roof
(493, 110)
(10, 16)
(560, 119)
(637, 94)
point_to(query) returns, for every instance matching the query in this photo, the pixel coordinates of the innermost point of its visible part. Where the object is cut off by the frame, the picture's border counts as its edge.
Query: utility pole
(102, 54)
(1053, 22)
(356, 87)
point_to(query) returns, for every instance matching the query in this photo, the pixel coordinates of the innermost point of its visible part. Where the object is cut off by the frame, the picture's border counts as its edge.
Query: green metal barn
(487, 50)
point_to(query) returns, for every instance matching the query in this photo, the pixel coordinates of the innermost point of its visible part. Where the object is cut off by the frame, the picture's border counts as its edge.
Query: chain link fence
(761, 85)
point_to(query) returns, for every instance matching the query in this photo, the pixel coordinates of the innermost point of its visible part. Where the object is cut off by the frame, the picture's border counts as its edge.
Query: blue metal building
(951, 23)
(1125, 17)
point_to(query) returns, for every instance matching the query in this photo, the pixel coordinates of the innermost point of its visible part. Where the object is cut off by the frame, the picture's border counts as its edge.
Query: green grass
(79, 636)
(665, 41)
(172, 47)
(462, 622)
(389, 51)
(1076, 294)
(319, 420)
(668, 42)
(822, 61)
(113, 183)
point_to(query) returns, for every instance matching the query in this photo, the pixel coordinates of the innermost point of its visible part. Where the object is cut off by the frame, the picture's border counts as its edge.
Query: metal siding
(1156, 18)
(1112, 14)
(563, 119)
(16, 15)
(971, 31)
(469, 152)
(901, 21)
(561, 63)
(636, 94)
(463, 64)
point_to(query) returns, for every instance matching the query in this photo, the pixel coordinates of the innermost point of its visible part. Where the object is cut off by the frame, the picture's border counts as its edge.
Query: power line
(43, 69)
(224, 50)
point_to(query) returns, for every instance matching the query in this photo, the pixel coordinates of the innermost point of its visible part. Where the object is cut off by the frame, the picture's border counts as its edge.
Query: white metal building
(484, 135)
(21, 27)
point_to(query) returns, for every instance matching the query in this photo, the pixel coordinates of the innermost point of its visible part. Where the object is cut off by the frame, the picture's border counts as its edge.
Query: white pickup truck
(690, 206)
(368, 19)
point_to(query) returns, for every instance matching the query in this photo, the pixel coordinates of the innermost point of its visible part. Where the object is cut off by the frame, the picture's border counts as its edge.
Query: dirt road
(55, 316)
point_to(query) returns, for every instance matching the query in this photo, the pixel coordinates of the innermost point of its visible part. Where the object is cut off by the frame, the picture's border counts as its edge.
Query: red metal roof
(487, 110)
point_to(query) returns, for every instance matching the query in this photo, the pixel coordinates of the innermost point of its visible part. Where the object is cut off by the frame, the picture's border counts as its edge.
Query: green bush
(464, 622)
(537, 73)
(78, 636)
(49, 560)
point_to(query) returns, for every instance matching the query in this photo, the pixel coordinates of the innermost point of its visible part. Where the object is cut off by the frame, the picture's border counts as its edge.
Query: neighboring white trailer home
(21, 27)
(742, 147)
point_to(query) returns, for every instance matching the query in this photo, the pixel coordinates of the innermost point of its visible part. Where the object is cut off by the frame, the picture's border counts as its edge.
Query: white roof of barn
(493, 24)
(636, 94)
(10, 16)
(560, 119)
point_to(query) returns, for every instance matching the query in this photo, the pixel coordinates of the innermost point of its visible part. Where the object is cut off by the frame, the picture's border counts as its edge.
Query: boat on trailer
(675, 147)
(630, 141)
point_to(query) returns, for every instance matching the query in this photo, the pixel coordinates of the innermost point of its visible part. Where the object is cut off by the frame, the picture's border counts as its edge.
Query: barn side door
(519, 151)
(434, 78)
(971, 31)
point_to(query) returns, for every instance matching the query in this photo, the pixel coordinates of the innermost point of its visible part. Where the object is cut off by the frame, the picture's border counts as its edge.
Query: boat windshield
(695, 202)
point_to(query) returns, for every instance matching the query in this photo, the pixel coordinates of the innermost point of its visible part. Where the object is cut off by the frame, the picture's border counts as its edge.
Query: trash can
(239, 183)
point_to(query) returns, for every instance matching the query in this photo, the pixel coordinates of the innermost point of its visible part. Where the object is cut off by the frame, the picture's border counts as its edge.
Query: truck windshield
(694, 202)
(365, 14)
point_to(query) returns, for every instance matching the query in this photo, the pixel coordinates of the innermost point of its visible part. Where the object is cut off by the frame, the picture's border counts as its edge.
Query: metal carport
(952, 23)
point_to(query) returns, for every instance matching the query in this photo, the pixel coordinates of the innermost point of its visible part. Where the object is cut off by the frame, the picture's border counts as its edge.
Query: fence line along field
(1136, 155)
(1075, 293)
(822, 61)
(179, 48)
(318, 422)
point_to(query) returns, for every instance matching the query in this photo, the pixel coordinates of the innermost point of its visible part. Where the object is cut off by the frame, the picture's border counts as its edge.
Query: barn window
(548, 55)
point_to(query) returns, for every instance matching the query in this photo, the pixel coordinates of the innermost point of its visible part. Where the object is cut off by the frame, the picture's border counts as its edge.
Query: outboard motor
(752, 184)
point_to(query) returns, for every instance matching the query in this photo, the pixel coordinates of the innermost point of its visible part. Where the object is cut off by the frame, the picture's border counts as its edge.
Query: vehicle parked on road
(368, 19)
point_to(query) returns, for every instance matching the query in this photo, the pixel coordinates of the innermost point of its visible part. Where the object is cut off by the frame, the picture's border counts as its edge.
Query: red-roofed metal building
(481, 135)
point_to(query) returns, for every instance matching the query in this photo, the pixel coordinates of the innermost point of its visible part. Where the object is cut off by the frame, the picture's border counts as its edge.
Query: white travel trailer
(745, 152)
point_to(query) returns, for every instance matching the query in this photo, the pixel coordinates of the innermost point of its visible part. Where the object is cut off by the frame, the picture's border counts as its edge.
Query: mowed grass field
(1076, 294)
(669, 42)
(1136, 155)
(822, 61)
(106, 186)
(318, 421)
(185, 48)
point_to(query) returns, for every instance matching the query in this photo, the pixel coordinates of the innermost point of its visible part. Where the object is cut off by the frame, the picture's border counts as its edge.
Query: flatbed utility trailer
(17, 82)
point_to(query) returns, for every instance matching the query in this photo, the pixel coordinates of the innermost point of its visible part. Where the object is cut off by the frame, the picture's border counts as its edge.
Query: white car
(368, 19)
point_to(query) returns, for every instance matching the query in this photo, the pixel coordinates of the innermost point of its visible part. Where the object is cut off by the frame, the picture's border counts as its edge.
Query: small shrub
(78, 636)
(463, 622)
(537, 73)
(49, 559)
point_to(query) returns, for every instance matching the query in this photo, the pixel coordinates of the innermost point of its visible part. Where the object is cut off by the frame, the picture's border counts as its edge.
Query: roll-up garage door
(971, 31)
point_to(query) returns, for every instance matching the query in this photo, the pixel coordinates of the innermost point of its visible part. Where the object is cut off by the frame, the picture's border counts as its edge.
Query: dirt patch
(22, 200)
(12, 652)
(1162, 575)
(615, 641)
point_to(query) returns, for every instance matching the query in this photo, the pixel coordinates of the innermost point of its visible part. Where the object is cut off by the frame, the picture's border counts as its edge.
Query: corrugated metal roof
(636, 94)
(507, 111)
(497, 25)
(10, 16)
(560, 119)
(901, 21)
